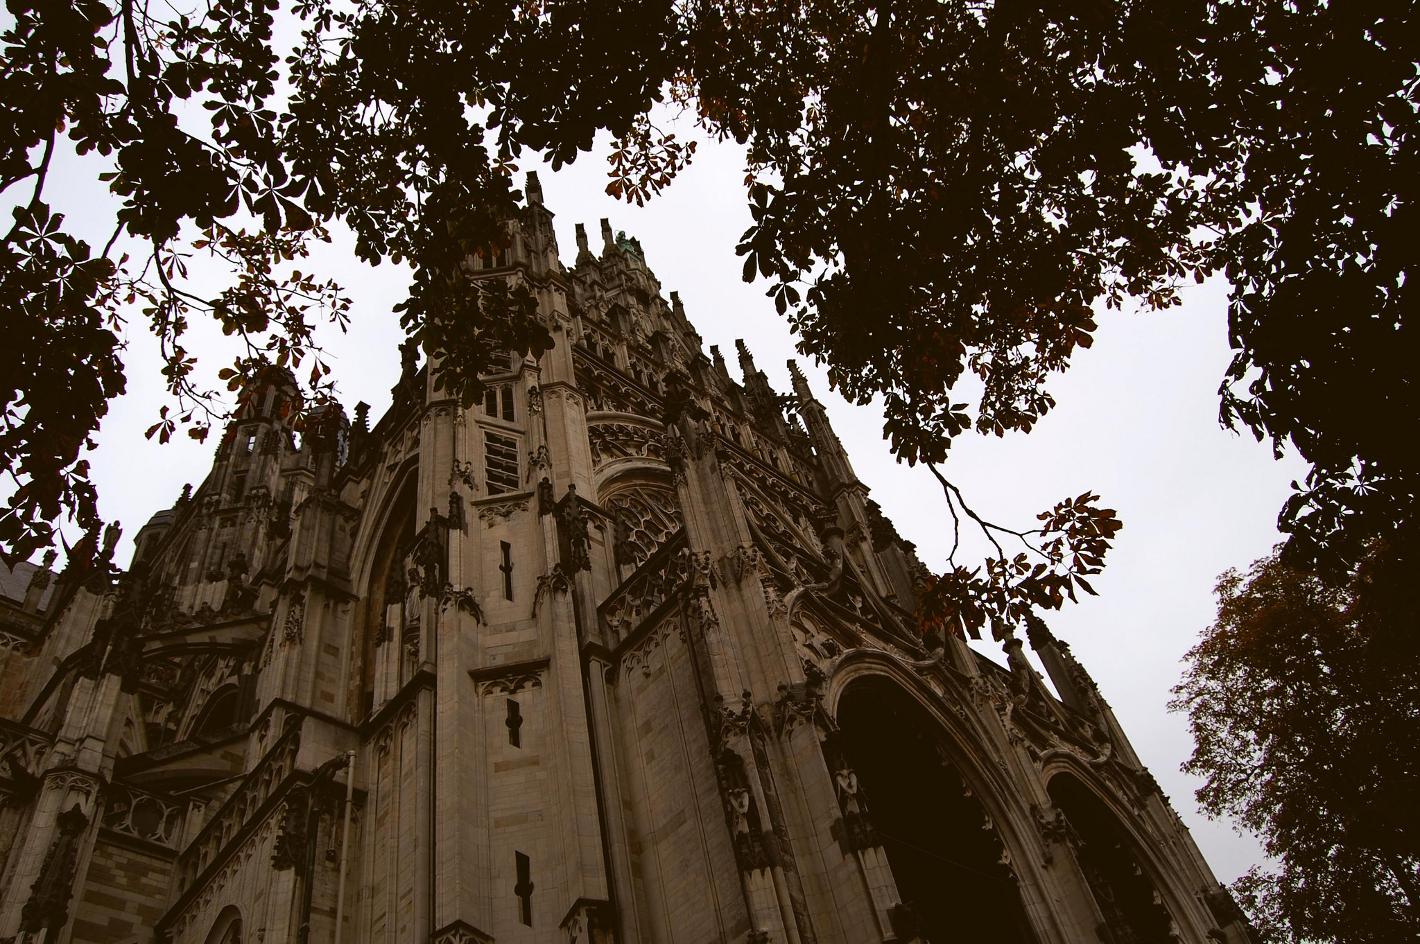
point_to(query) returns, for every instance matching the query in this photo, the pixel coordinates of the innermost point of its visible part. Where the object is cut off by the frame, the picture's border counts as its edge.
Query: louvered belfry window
(500, 462)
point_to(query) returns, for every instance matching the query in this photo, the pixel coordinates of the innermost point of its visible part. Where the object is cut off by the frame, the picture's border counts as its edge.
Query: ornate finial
(1037, 632)
(746, 358)
(533, 189)
(801, 384)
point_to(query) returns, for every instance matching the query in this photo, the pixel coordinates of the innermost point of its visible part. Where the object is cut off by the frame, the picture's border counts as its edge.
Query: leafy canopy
(1302, 698)
(941, 190)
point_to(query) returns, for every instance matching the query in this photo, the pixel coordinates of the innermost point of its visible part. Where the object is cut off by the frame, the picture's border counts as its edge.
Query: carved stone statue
(574, 528)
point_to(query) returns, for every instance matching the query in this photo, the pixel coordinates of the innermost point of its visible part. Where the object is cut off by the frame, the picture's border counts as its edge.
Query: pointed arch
(378, 574)
(967, 747)
(227, 929)
(1128, 886)
(949, 857)
(222, 710)
(645, 513)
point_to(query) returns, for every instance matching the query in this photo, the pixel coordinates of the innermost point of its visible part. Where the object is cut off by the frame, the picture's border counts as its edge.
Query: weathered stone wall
(393, 899)
(683, 865)
(125, 893)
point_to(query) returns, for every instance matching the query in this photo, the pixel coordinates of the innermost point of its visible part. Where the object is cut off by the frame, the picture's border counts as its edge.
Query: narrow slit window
(507, 569)
(524, 888)
(515, 723)
(490, 402)
(506, 394)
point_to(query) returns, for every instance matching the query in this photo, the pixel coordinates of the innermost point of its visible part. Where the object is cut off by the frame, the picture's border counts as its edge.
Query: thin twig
(950, 489)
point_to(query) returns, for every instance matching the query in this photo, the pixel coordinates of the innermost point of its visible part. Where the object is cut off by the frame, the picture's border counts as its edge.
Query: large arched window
(1128, 900)
(646, 515)
(946, 858)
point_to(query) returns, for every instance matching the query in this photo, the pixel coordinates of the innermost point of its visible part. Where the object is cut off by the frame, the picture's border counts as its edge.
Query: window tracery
(646, 516)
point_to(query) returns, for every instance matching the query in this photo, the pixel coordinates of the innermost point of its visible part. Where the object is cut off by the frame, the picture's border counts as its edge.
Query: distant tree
(1304, 702)
(939, 189)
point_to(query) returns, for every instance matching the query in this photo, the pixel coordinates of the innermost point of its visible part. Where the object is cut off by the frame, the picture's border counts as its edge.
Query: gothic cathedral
(622, 653)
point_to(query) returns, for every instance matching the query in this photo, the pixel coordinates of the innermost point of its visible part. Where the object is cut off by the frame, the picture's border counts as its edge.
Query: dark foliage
(940, 190)
(1304, 701)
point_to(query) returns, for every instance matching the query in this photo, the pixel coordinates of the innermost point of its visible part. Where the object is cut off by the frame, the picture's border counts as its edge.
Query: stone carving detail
(304, 801)
(800, 703)
(48, 906)
(855, 830)
(429, 556)
(539, 460)
(295, 619)
(462, 472)
(510, 684)
(555, 581)
(238, 596)
(755, 847)
(642, 655)
(646, 517)
(572, 523)
(619, 440)
(460, 933)
(607, 389)
(666, 573)
(75, 783)
(677, 453)
(464, 599)
(457, 519)
(728, 722)
(747, 561)
(144, 816)
(795, 545)
(1053, 829)
(13, 642)
(588, 923)
(22, 751)
(268, 775)
(491, 513)
(774, 484)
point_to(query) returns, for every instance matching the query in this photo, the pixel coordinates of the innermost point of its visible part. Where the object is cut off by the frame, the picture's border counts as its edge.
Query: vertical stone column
(610, 783)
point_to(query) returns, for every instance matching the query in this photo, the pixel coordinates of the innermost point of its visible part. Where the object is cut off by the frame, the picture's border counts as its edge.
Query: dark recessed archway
(1126, 895)
(943, 849)
(221, 712)
(385, 584)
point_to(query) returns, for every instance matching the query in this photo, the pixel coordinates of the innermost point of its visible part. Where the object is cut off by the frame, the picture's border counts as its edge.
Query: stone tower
(623, 653)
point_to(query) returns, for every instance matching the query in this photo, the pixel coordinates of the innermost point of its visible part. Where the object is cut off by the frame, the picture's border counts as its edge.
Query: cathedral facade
(622, 653)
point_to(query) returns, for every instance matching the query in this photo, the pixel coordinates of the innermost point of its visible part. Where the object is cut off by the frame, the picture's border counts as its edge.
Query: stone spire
(832, 456)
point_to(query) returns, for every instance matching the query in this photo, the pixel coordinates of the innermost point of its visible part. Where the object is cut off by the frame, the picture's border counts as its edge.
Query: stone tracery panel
(646, 516)
(615, 440)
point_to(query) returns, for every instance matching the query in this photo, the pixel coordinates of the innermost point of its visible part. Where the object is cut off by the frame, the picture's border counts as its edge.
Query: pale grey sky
(1136, 421)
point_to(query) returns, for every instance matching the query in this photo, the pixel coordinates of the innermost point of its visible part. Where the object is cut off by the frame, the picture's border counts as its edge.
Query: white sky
(1136, 422)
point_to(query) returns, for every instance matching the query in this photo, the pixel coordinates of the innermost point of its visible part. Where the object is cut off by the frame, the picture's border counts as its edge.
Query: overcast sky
(1136, 422)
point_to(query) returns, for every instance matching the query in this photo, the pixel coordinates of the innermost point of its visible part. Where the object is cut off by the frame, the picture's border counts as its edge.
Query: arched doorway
(1128, 900)
(942, 847)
